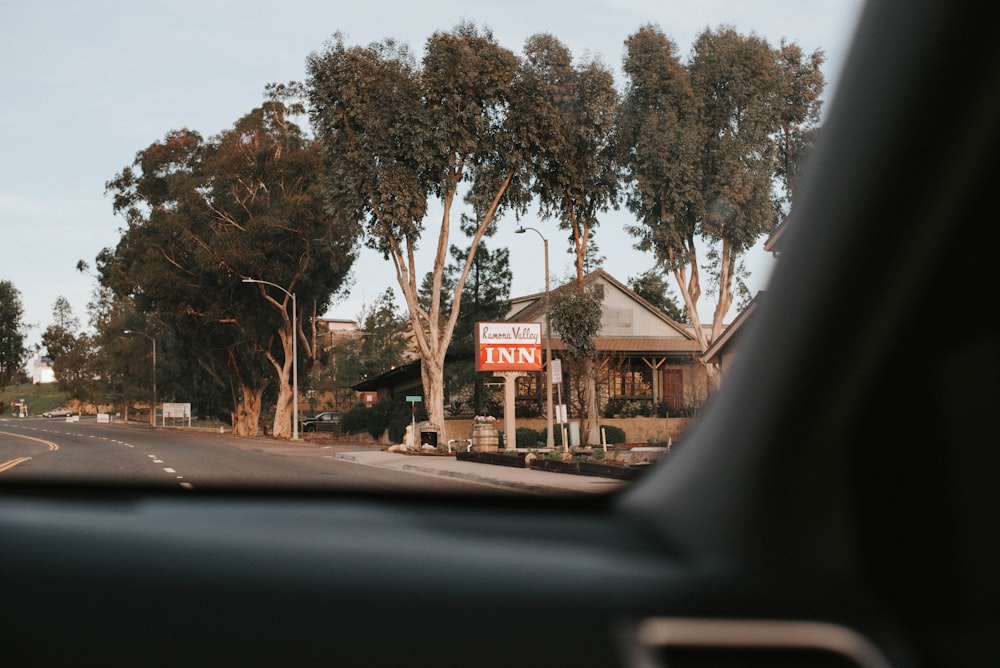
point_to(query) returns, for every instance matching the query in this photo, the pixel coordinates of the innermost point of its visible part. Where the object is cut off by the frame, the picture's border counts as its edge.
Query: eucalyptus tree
(575, 171)
(484, 299)
(203, 216)
(704, 145)
(397, 135)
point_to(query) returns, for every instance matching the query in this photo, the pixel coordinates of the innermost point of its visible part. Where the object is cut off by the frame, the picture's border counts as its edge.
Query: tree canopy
(703, 144)
(397, 134)
(202, 216)
(12, 351)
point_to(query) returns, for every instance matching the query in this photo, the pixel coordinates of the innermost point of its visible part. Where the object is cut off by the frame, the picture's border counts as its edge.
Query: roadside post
(414, 399)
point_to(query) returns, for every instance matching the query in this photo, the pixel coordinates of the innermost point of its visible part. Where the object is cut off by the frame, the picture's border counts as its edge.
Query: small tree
(13, 354)
(382, 342)
(576, 317)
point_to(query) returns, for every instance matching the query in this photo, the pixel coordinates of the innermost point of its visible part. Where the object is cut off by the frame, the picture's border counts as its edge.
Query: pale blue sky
(88, 84)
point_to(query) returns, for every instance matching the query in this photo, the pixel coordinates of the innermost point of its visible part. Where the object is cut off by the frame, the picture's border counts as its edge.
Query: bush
(613, 435)
(526, 437)
(543, 434)
(388, 415)
(355, 421)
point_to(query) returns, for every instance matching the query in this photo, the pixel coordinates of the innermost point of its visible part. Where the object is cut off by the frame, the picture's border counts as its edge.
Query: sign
(508, 346)
(556, 372)
(176, 410)
(414, 398)
(561, 414)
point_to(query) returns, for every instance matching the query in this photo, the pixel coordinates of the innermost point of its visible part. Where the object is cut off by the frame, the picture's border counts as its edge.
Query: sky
(87, 85)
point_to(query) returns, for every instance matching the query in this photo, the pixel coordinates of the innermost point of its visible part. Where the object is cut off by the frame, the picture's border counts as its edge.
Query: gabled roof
(722, 344)
(672, 335)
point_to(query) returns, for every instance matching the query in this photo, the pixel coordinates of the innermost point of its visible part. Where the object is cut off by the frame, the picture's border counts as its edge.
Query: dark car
(328, 421)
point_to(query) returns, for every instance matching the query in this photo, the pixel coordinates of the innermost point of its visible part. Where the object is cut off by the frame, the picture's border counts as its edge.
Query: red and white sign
(508, 346)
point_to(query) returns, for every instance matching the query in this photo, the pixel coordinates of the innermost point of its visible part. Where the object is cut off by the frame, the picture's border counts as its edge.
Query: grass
(40, 398)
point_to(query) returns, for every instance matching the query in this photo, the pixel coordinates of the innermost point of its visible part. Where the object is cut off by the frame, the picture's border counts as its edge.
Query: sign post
(509, 349)
(414, 399)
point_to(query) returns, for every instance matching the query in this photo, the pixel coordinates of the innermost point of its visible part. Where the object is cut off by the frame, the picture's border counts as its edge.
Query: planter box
(618, 471)
(555, 465)
(514, 459)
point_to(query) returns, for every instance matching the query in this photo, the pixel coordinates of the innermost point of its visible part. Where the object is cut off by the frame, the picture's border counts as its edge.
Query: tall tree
(396, 135)
(575, 172)
(58, 337)
(703, 146)
(484, 298)
(204, 215)
(12, 351)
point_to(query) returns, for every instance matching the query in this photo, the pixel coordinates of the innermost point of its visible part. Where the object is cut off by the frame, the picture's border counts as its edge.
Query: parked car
(327, 421)
(62, 411)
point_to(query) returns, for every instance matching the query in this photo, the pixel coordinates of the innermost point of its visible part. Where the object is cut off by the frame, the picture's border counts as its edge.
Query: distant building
(42, 370)
(328, 330)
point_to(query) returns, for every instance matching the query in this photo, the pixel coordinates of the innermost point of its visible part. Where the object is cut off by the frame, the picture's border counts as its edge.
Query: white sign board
(556, 371)
(176, 410)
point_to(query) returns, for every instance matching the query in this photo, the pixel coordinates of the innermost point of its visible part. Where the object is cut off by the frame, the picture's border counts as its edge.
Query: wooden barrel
(485, 438)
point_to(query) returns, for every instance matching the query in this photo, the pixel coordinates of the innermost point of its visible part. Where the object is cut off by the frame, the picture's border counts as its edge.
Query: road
(51, 450)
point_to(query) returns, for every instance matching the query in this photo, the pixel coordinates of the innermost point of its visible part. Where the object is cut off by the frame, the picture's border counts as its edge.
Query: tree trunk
(282, 427)
(247, 413)
(432, 375)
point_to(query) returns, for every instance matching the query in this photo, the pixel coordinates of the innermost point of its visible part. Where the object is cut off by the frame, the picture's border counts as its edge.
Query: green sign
(414, 399)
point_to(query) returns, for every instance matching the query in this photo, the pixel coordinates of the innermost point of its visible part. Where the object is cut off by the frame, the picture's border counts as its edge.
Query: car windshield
(477, 247)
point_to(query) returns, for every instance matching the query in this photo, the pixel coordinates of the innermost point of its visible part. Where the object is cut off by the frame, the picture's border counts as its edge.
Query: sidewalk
(526, 479)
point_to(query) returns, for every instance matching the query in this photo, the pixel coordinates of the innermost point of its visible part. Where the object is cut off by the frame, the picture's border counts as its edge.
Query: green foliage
(703, 145)
(574, 108)
(658, 439)
(528, 438)
(379, 346)
(576, 317)
(40, 397)
(396, 135)
(201, 216)
(613, 434)
(12, 351)
(389, 416)
(653, 287)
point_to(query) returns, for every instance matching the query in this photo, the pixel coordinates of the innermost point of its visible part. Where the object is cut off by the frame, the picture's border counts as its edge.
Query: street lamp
(549, 441)
(295, 357)
(152, 413)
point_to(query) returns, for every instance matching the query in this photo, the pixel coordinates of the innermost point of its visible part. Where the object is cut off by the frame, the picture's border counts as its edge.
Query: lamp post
(549, 441)
(295, 357)
(152, 413)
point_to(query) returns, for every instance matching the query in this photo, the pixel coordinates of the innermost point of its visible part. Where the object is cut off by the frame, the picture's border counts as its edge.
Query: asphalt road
(60, 451)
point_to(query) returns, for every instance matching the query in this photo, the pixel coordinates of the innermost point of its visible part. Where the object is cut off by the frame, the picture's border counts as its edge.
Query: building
(649, 364)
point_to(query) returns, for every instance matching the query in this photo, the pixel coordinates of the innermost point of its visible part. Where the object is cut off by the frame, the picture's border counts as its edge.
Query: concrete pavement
(509, 477)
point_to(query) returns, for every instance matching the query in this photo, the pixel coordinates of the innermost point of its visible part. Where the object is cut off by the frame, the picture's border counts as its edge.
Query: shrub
(388, 415)
(543, 435)
(613, 434)
(526, 437)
